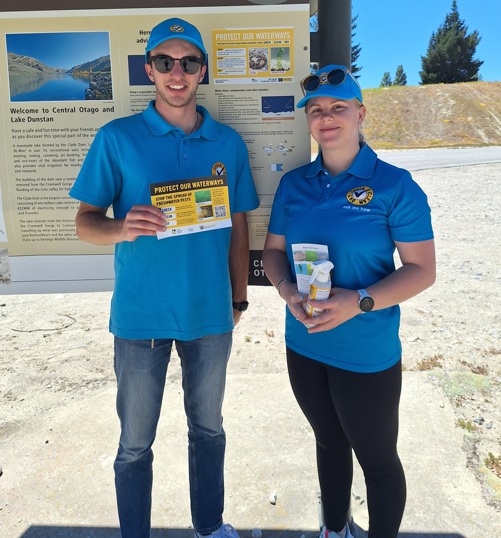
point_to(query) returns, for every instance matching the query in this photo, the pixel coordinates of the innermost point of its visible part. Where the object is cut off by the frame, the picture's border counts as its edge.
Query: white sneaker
(224, 531)
(326, 533)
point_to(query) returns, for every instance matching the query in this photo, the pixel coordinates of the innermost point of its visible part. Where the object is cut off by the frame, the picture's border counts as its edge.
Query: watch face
(366, 304)
(241, 307)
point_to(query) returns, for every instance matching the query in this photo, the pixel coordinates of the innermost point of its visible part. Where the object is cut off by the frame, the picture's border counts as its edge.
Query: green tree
(400, 77)
(386, 81)
(355, 49)
(451, 49)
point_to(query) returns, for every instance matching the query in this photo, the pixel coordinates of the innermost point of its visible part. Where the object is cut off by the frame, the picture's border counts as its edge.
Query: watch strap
(241, 307)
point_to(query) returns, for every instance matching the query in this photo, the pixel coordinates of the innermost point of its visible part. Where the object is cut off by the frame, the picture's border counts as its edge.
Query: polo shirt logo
(360, 196)
(218, 169)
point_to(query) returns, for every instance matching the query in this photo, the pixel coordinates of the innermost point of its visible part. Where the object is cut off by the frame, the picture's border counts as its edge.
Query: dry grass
(430, 363)
(467, 425)
(493, 463)
(439, 115)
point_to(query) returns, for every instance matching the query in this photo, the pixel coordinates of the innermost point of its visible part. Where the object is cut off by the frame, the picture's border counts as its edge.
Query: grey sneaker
(224, 531)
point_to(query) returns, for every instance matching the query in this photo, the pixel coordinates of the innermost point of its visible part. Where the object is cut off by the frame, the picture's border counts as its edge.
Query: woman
(345, 369)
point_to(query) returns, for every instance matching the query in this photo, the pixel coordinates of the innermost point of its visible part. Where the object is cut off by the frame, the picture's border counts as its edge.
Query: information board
(66, 73)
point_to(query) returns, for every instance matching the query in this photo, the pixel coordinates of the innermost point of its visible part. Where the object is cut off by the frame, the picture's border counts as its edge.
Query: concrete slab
(58, 470)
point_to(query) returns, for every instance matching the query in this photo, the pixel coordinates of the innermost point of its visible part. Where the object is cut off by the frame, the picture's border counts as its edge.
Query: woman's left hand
(341, 306)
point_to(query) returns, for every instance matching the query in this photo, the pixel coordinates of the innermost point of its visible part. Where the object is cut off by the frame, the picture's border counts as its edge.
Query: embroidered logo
(176, 28)
(218, 169)
(360, 196)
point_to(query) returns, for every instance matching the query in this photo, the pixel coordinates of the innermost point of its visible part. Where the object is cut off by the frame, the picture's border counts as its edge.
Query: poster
(66, 73)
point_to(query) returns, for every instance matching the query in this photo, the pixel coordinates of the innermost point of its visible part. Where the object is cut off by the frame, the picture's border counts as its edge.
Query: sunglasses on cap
(335, 78)
(165, 64)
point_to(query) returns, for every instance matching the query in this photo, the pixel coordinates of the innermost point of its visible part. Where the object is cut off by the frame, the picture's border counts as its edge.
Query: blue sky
(397, 32)
(61, 49)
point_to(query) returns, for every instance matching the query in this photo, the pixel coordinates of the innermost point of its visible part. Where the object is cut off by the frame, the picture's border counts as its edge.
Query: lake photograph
(59, 66)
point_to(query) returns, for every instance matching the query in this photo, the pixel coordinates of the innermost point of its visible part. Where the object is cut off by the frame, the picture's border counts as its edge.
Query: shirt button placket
(327, 185)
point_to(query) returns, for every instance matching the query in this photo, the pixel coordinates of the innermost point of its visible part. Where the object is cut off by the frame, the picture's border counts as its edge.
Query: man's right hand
(93, 226)
(142, 220)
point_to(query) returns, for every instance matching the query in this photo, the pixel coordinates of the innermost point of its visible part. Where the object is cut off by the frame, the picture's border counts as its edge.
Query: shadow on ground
(39, 531)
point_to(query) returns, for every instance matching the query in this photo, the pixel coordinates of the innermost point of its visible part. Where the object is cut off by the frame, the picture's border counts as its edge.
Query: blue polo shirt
(358, 214)
(177, 287)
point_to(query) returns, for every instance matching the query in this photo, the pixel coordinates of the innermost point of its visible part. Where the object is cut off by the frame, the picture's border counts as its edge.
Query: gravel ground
(56, 349)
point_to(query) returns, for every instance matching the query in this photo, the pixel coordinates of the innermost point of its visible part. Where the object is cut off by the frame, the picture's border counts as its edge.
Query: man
(180, 288)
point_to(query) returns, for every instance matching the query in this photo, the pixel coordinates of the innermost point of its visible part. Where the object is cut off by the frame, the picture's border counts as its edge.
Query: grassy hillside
(25, 65)
(441, 115)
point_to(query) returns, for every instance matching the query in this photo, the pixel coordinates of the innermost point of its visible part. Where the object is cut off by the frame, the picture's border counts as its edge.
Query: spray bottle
(320, 286)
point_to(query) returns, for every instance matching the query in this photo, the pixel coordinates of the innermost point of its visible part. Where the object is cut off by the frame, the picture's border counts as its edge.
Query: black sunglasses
(335, 77)
(165, 64)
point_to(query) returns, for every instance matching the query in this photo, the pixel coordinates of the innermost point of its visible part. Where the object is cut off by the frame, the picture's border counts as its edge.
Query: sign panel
(66, 73)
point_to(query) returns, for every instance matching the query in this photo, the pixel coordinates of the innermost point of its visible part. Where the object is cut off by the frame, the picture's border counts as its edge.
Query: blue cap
(175, 29)
(348, 89)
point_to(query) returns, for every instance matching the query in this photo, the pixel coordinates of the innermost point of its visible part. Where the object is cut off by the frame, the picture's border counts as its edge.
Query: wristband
(280, 283)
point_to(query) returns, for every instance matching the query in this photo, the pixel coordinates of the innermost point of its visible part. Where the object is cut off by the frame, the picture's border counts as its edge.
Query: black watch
(366, 302)
(241, 307)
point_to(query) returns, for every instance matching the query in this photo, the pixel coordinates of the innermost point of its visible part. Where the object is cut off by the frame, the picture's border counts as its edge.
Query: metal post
(334, 29)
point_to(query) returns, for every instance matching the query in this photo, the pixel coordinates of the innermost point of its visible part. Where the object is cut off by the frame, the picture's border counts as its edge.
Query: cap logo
(323, 78)
(176, 28)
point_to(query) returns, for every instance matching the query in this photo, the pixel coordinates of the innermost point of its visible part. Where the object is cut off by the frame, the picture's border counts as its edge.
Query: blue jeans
(141, 369)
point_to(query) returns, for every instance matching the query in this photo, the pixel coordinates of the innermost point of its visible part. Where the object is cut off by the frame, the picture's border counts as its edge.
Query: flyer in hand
(192, 205)
(306, 256)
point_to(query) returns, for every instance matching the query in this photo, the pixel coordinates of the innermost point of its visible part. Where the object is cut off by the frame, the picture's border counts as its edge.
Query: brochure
(192, 205)
(306, 256)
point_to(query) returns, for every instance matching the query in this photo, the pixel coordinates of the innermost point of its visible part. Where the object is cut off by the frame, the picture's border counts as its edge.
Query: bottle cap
(321, 272)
